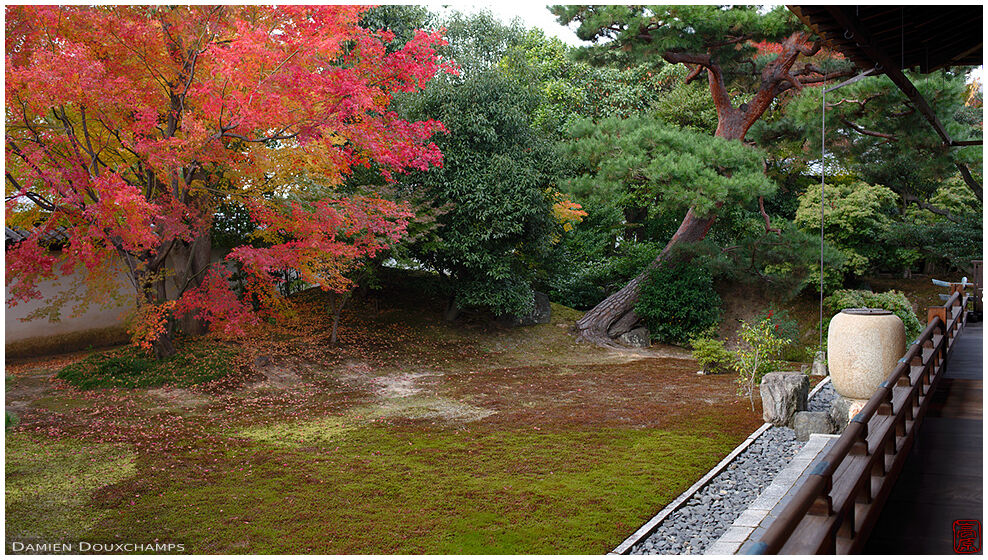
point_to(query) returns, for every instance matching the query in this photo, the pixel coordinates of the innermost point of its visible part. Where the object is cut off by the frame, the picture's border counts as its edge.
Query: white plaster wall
(95, 317)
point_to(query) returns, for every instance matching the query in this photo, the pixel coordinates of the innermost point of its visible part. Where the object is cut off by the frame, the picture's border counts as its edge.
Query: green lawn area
(437, 441)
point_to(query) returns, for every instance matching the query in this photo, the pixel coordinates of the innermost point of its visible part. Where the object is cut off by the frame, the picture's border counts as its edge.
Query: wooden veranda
(942, 481)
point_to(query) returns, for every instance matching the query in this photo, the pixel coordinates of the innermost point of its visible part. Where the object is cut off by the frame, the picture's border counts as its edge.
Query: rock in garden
(541, 313)
(636, 338)
(843, 410)
(820, 364)
(806, 423)
(783, 395)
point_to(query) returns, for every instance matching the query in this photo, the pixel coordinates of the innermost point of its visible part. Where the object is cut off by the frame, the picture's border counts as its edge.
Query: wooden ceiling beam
(887, 66)
(884, 64)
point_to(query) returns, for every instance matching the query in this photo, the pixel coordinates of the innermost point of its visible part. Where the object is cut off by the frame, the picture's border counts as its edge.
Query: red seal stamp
(967, 536)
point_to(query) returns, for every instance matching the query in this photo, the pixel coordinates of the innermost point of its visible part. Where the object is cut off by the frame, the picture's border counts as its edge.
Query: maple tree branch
(188, 83)
(69, 130)
(41, 176)
(276, 136)
(272, 73)
(76, 146)
(42, 203)
(158, 76)
(160, 257)
(89, 143)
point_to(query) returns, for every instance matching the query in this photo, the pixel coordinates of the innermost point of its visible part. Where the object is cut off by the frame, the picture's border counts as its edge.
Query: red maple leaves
(128, 126)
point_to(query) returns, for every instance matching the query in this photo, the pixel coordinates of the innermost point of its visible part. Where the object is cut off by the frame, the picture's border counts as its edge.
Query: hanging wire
(823, 174)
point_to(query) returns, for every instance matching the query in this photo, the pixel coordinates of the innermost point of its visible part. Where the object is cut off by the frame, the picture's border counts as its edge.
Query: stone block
(842, 410)
(750, 518)
(806, 423)
(820, 364)
(636, 338)
(783, 395)
(541, 313)
(722, 548)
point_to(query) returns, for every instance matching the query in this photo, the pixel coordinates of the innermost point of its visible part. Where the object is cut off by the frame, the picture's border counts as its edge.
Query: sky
(532, 13)
(535, 13)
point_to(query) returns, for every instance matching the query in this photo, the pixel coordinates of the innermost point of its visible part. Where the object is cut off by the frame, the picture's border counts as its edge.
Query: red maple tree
(128, 126)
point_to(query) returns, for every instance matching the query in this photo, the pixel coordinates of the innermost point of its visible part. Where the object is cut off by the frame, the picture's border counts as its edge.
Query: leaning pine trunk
(616, 314)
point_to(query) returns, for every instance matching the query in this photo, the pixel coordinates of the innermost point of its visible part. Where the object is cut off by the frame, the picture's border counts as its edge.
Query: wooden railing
(838, 505)
(978, 277)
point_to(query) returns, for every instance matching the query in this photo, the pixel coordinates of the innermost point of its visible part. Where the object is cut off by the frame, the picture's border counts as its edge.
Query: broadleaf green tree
(497, 181)
(856, 216)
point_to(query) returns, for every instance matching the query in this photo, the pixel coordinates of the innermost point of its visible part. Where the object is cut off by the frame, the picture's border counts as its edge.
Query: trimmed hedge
(132, 368)
(892, 300)
(678, 301)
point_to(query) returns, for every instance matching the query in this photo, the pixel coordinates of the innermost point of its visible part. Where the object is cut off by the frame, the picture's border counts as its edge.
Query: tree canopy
(128, 126)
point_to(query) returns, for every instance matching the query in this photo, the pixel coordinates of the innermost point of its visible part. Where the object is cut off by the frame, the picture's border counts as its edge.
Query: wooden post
(938, 311)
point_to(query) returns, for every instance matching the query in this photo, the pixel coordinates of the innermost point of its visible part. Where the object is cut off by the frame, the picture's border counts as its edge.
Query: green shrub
(131, 368)
(760, 349)
(784, 326)
(892, 300)
(677, 301)
(10, 419)
(582, 281)
(711, 355)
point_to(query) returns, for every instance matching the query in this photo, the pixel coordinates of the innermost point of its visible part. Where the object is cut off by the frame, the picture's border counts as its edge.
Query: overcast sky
(532, 13)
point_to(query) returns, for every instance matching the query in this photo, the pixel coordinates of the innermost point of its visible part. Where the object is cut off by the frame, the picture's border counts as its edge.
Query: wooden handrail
(839, 502)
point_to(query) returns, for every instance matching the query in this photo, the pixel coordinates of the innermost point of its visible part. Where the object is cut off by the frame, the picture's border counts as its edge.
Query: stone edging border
(645, 530)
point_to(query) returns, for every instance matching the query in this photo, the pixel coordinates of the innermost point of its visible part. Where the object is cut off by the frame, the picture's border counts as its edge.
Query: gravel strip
(706, 516)
(821, 400)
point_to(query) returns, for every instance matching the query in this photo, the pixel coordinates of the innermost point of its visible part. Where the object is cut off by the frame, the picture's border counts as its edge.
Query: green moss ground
(49, 484)
(413, 436)
(398, 489)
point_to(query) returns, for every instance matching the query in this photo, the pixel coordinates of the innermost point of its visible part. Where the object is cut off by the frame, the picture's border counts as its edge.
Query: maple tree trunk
(191, 261)
(163, 346)
(452, 310)
(339, 301)
(155, 293)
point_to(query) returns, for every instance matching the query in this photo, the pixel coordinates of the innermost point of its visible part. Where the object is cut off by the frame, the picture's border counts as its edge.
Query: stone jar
(863, 346)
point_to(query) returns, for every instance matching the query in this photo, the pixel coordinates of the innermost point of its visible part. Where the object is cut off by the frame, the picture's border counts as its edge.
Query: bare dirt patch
(652, 393)
(179, 398)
